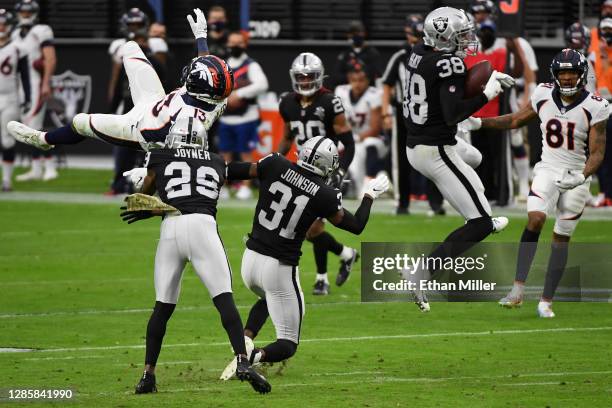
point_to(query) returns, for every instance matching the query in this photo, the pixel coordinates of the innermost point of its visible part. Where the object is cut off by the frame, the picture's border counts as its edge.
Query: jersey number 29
(207, 181)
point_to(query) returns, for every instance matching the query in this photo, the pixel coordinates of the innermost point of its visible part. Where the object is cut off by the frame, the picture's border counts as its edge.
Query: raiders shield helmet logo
(440, 24)
(71, 95)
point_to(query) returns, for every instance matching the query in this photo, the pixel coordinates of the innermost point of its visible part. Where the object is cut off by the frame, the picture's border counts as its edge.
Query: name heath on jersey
(301, 182)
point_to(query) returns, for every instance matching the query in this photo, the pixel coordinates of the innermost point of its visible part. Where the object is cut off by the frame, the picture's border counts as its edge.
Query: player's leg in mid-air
(463, 189)
(145, 88)
(543, 198)
(281, 298)
(322, 243)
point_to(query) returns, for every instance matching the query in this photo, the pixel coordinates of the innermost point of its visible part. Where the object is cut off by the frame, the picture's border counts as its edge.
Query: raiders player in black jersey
(433, 105)
(310, 111)
(292, 196)
(188, 177)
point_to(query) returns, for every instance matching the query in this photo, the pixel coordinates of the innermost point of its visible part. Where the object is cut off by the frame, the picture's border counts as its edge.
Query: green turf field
(76, 285)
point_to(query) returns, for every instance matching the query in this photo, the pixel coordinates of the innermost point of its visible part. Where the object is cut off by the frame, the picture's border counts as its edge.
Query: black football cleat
(345, 268)
(244, 371)
(321, 288)
(146, 385)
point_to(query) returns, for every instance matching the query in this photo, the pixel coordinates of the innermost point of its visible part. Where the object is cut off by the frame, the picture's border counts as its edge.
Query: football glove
(337, 178)
(493, 87)
(505, 80)
(133, 216)
(470, 124)
(198, 27)
(376, 187)
(136, 176)
(570, 179)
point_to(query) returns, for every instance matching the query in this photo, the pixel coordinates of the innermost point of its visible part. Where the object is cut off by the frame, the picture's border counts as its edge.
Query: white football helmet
(449, 29)
(187, 132)
(306, 74)
(319, 155)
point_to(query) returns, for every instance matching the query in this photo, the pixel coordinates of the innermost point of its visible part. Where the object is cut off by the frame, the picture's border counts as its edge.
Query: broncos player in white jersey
(208, 83)
(362, 106)
(573, 145)
(14, 72)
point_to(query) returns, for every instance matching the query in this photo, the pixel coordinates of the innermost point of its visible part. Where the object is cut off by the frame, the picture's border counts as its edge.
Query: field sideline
(77, 288)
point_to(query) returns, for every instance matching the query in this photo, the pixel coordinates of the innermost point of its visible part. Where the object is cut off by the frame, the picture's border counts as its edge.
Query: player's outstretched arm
(597, 148)
(200, 31)
(355, 224)
(345, 135)
(509, 121)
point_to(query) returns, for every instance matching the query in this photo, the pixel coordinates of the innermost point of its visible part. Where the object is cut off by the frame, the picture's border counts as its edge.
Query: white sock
(518, 288)
(50, 164)
(7, 172)
(322, 277)
(347, 253)
(37, 166)
(522, 171)
(545, 303)
(42, 138)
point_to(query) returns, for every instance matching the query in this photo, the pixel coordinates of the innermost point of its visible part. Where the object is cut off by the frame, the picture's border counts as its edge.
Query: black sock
(63, 135)
(526, 253)
(156, 329)
(257, 317)
(321, 244)
(8, 155)
(463, 238)
(556, 267)
(230, 318)
(279, 350)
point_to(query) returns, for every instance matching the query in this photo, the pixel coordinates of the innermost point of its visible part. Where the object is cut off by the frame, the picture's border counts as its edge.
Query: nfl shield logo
(71, 95)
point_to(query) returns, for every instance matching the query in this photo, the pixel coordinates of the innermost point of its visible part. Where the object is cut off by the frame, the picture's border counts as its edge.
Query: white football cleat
(499, 223)
(511, 301)
(35, 172)
(545, 310)
(27, 135)
(230, 371)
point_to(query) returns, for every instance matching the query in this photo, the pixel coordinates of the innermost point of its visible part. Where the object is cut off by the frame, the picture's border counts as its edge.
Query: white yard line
(348, 339)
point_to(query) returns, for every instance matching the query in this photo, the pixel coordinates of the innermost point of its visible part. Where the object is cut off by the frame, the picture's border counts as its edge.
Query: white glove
(199, 27)
(505, 80)
(469, 124)
(375, 188)
(136, 176)
(570, 179)
(493, 87)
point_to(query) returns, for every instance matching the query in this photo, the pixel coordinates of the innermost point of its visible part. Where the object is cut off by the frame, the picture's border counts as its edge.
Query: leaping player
(208, 83)
(573, 122)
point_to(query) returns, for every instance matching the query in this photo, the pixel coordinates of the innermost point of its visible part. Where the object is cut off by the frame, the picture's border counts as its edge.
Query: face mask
(358, 40)
(236, 51)
(217, 26)
(608, 37)
(487, 38)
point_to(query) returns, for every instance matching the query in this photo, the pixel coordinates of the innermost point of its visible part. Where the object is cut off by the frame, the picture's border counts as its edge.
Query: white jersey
(156, 45)
(32, 43)
(359, 112)
(154, 119)
(565, 128)
(9, 72)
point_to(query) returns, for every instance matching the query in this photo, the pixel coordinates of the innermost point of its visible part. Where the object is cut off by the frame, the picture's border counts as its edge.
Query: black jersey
(188, 179)
(317, 119)
(290, 200)
(426, 71)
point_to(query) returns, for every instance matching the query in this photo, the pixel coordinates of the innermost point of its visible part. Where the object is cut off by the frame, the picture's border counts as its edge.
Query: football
(477, 78)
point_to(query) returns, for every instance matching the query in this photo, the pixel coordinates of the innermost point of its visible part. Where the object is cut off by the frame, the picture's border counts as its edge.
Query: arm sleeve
(454, 107)
(258, 83)
(24, 72)
(239, 170)
(357, 222)
(44, 33)
(349, 149)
